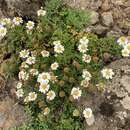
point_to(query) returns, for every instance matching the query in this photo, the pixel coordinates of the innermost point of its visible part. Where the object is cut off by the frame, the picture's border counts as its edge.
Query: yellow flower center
(76, 93)
(2, 31)
(128, 47)
(18, 19)
(44, 86)
(50, 94)
(87, 113)
(123, 39)
(32, 96)
(44, 76)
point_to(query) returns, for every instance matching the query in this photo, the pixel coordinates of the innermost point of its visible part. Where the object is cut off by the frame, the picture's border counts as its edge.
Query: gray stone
(84, 4)
(125, 81)
(11, 8)
(129, 32)
(11, 114)
(106, 5)
(107, 18)
(2, 119)
(94, 17)
(114, 33)
(127, 3)
(127, 11)
(99, 29)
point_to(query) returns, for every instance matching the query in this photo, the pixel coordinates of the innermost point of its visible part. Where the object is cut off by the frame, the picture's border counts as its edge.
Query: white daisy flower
(54, 66)
(45, 53)
(23, 75)
(88, 113)
(46, 111)
(30, 25)
(17, 20)
(127, 46)
(83, 47)
(76, 93)
(32, 96)
(107, 73)
(44, 77)
(34, 72)
(51, 95)
(84, 40)
(122, 41)
(3, 31)
(24, 53)
(31, 60)
(86, 75)
(19, 85)
(44, 87)
(5, 21)
(58, 48)
(86, 58)
(84, 83)
(19, 93)
(24, 65)
(41, 12)
(125, 52)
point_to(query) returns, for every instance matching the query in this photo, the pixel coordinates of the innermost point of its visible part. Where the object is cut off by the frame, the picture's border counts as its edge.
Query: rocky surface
(109, 17)
(11, 114)
(24, 8)
(112, 106)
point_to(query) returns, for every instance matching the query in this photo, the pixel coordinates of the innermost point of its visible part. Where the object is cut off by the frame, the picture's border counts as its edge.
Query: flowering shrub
(55, 62)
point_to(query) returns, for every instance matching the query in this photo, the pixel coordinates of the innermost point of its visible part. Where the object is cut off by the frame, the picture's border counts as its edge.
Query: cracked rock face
(120, 84)
(112, 107)
(11, 114)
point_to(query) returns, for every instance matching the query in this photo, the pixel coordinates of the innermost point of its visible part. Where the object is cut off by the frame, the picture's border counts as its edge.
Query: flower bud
(61, 93)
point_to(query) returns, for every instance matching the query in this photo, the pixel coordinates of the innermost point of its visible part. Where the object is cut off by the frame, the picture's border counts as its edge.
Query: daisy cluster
(17, 21)
(45, 79)
(124, 42)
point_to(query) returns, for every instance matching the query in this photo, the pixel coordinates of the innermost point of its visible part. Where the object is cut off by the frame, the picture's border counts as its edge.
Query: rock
(106, 5)
(95, 5)
(127, 3)
(99, 29)
(107, 18)
(1, 14)
(94, 17)
(125, 81)
(11, 8)
(118, 2)
(90, 121)
(126, 102)
(107, 57)
(11, 114)
(117, 13)
(113, 33)
(127, 11)
(98, 125)
(129, 32)
(2, 83)
(84, 4)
